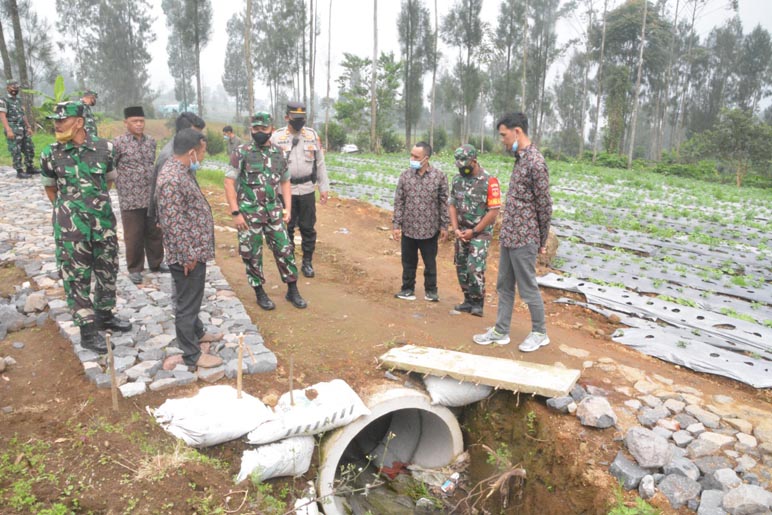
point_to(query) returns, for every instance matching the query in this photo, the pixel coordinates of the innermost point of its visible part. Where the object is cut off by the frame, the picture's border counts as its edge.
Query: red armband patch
(494, 193)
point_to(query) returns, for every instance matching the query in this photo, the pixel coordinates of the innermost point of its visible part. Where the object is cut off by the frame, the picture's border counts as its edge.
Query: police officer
(474, 203)
(305, 157)
(89, 100)
(17, 131)
(77, 173)
(257, 177)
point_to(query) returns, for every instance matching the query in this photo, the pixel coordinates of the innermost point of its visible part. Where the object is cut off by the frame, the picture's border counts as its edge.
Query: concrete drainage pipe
(403, 426)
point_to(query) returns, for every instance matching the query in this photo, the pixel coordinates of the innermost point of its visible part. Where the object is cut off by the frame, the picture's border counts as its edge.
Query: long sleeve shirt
(528, 208)
(184, 215)
(421, 203)
(134, 159)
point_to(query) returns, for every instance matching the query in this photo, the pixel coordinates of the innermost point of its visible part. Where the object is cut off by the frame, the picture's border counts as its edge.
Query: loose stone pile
(711, 456)
(26, 240)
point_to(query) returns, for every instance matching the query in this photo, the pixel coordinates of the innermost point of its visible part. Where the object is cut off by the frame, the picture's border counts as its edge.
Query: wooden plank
(508, 374)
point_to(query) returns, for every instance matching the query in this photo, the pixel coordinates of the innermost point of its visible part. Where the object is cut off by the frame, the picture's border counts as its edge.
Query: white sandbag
(306, 505)
(450, 392)
(290, 457)
(214, 415)
(330, 405)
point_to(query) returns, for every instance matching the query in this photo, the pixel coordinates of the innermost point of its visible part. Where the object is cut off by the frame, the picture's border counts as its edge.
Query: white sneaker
(533, 341)
(492, 336)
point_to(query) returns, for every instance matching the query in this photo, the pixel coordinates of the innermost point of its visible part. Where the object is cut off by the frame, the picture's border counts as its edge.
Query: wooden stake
(292, 397)
(239, 373)
(111, 366)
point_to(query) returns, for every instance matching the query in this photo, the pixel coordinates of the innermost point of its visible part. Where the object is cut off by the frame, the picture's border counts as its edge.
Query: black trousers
(187, 324)
(304, 218)
(428, 248)
(141, 237)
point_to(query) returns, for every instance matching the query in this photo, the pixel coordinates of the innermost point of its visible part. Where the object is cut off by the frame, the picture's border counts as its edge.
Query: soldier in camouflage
(77, 173)
(17, 131)
(89, 100)
(474, 203)
(257, 176)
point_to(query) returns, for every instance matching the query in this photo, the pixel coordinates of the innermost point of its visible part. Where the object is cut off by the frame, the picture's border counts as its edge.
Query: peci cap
(133, 111)
(261, 119)
(296, 110)
(465, 154)
(65, 110)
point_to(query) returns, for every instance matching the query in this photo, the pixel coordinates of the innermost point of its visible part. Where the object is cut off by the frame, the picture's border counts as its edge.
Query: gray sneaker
(492, 336)
(136, 277)
(432, 296)
(534, 341)
(405, 295)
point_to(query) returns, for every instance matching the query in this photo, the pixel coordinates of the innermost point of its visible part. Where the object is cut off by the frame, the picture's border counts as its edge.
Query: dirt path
(60, 422)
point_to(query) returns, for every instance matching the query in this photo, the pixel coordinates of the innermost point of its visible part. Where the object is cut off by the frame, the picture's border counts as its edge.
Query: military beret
(11, 82)
(465, 154)
(133, 111)
(261, 119)
(296, 110)
(65, 110)
(90, 92)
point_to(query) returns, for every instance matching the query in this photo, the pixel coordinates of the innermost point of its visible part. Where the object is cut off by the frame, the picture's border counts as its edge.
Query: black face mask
(297, 124)
(261, 138)
(465, 171)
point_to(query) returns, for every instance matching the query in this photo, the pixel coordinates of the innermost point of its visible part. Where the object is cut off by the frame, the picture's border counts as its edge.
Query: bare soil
(62, 443)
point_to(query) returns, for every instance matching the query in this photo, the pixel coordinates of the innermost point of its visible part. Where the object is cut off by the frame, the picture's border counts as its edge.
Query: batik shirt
(528, 208)
(82, 209)
(473, 196)
(134, 159)
(184, 215)
(421, 203)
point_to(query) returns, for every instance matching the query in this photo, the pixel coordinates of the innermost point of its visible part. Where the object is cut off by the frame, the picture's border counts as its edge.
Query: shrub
(611, 160)
(705, 170)
(336, 135)
(390, 142)
(214, 142)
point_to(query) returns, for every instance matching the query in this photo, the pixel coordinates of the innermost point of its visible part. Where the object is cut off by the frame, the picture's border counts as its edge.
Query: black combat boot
(91, 339)
(293, 295)
(263, 300)
(106, 320)
(21, 175)
(307, 268)
(31, 170)
(477, 307)
(464, 307)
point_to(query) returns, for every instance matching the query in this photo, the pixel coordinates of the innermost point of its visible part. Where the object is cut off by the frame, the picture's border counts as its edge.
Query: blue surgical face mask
(415, 165)
(195, 165)
(226, 138)
(514, 147)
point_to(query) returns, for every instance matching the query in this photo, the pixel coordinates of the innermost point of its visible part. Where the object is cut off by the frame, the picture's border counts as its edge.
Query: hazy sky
(352, 21)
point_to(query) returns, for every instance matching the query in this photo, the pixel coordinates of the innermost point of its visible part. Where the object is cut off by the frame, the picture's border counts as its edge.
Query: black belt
(306, 178)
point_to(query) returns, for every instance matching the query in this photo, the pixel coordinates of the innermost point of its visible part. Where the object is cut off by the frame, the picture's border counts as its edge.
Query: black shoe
(405, 294)
(464, 307)
(91, 339)
(477, 307)
(162, 268)
(263, 300)
(307, 268)
(293, 295)
(106, 320)
(22, 175)
(32, 170)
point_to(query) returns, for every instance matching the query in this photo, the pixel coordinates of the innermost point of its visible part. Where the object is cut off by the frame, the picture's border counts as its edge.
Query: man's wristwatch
(235, 213)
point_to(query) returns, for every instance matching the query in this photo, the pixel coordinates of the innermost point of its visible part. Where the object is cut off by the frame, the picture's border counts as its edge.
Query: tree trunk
(634, 120)
(407, 63)
(198, 60)
(525, 55)
(7, 71)
(21, 62)
(311, 63)
(685, 89)
(666, 86)
(303, 57)
(434, 77)
(600, 84)
(582, 126)
(327, 111)
(248, 57)
(373, 75)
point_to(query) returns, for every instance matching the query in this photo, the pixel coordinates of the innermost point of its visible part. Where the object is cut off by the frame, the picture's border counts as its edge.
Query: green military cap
(296, 110)
(90, 93)
(465, 154)
(261, 119)
(11, 82)
(66, 110)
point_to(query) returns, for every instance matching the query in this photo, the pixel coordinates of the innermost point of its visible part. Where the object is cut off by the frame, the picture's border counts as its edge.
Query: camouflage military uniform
(90, 126)
(473, 196)
(84, 224)
(21, 144)
(258, 173)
